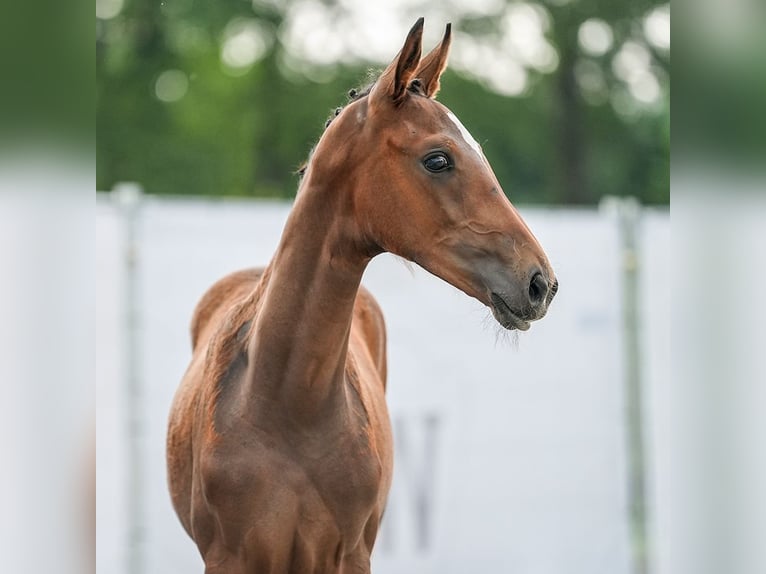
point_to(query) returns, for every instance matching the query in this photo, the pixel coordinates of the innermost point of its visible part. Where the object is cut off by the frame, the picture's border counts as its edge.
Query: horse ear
(431, 67)
(394, 80)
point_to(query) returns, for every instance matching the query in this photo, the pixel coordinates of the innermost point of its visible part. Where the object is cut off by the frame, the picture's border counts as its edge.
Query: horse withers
(279, 443)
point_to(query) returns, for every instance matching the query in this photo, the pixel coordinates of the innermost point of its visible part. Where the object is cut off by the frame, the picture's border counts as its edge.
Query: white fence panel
(510, 454)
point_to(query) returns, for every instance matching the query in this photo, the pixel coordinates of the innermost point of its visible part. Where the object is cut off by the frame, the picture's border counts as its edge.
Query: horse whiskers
(502, 336)
(510, 338)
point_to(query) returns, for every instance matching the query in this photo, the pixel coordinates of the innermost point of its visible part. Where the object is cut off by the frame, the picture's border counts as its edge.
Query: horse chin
(507, 318)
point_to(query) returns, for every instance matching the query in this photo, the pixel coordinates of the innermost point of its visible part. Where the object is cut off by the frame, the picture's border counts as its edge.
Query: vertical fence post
(629, 218)
(627, 213)
(128, 196)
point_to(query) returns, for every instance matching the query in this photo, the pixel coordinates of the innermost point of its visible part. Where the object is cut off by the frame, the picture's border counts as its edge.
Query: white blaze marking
(466, 134)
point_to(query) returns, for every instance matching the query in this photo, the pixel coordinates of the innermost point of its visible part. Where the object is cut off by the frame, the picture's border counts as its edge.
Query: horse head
(423, 189)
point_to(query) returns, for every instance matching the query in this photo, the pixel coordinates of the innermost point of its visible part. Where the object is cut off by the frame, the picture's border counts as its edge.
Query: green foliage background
(244, 135)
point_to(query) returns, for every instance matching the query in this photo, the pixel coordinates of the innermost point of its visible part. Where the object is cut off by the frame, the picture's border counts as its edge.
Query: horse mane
(354, 95)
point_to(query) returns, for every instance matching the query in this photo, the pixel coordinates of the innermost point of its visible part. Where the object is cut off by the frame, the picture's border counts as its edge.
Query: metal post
(627, 214)
(128, 197)
(629, 217)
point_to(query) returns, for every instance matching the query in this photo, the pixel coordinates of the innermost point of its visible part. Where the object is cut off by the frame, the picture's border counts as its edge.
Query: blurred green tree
(569, 98)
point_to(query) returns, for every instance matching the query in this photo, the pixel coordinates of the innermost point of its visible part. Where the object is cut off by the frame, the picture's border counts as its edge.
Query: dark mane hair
(354, 94)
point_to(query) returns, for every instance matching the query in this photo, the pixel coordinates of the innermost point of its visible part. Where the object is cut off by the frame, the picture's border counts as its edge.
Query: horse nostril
(538, 289)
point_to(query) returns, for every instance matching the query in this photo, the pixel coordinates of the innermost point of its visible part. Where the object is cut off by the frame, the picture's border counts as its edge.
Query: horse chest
(345, 460)
(329, 478)
(342, 473)
(350, 475)
(321, 476)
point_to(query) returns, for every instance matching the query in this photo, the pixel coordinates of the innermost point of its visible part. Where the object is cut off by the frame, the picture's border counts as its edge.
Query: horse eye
(436, 162)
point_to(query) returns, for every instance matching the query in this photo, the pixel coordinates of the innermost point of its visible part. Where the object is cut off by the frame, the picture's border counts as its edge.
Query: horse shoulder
(218, 299)
(195, 393)
(371, 326)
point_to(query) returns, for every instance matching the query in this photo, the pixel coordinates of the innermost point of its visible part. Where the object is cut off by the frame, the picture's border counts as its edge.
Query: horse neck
(298, 347)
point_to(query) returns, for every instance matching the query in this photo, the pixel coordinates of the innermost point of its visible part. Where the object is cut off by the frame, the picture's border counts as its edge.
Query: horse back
(218, 300)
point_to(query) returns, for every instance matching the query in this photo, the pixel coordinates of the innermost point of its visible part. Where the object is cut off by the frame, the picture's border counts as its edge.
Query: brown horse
(279, 446)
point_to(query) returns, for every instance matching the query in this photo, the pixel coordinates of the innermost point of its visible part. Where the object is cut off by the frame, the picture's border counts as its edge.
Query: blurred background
(542, 453)
(570, 98)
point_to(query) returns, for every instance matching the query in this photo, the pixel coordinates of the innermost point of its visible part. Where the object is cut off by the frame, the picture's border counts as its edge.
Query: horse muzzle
(517, 312)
